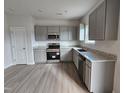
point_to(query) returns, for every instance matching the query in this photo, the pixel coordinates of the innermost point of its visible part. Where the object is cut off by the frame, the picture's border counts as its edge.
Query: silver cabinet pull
(24, 48)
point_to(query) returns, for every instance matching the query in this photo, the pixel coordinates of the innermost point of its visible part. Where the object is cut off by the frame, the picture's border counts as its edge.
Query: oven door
(53, 56)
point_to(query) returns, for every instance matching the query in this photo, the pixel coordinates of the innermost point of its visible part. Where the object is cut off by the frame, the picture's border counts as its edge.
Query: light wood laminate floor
(43, 78)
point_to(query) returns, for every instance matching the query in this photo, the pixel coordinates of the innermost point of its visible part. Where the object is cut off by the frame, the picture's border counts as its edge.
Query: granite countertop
(89, 55)
(96, 57)
(69, 47)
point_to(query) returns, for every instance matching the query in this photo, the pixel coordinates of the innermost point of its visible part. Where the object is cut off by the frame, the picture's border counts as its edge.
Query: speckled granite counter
(93, 56)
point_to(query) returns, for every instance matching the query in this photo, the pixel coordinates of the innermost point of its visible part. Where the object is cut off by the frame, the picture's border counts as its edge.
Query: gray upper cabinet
(100, 27)
(68, 33)
(112, 19)
(72, 33)
(103, 21)
(92, 26)
(53, 29)
(64, 34)
(40, 33)
(97, 23)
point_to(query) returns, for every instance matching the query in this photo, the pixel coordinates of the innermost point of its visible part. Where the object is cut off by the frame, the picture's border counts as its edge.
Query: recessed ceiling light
(59, 13)
(40, 10)
(65, 11)
(11, 9)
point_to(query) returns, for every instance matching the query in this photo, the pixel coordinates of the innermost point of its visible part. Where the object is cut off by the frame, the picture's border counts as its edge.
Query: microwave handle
(56, 36)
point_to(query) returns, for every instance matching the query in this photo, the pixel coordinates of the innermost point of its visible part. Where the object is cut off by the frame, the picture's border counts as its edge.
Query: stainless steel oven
(53, 52)
(53, 55)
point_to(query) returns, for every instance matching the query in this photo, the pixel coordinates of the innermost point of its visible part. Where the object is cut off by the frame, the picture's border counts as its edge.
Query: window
(87, 36)
(82, 32)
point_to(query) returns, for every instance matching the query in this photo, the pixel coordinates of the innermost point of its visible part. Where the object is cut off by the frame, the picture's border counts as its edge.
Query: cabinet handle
(24, 48)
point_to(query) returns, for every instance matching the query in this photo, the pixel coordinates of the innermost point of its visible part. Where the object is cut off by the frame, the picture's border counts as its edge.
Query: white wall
(56, 22)
(112, 47)
(27, 22)
(7, 45)
(62, 43)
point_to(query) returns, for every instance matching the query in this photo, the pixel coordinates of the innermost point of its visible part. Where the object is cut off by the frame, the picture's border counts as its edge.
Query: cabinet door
(40, 33)
(89, 78)
(84, 70)
(97, 23)
(80, 65)
(100, 28)
(88, 75)
(64, 34)
(112, 19)
(53, 29)
(75, 58)
(72, 33)
(66, 54)
(92, 25)
(40, 55)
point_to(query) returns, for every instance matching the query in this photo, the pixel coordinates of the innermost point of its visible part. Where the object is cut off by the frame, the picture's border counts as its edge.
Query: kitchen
(76, 48)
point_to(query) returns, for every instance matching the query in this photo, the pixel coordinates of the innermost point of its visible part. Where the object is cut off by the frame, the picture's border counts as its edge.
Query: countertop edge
(106, 60)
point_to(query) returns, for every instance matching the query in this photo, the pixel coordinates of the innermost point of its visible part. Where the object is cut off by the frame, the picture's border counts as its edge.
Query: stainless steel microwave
(53, 36)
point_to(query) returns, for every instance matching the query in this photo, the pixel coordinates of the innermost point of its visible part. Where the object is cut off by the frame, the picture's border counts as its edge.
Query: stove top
(53, 46)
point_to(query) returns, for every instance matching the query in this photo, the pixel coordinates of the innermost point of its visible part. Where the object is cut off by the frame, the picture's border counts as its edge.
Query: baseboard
(30, 63)
(5, 67)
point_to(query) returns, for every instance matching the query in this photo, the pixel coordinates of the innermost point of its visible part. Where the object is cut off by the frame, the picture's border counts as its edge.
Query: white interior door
(19, 45)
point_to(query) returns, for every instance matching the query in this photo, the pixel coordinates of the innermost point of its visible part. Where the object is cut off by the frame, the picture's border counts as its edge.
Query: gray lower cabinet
(75, 58)
(88, 75)
(40, 33)
(99, 76)
(40, 55)
(66, 54)
(103, 21)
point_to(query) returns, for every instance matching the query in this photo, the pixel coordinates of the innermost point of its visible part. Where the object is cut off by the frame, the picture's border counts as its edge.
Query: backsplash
(62, 43)
(111, 47)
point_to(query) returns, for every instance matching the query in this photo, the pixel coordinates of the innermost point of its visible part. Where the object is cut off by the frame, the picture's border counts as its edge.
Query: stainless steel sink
(82, 50)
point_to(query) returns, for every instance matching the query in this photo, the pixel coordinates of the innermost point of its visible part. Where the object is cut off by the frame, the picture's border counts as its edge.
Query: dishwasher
(81, 67)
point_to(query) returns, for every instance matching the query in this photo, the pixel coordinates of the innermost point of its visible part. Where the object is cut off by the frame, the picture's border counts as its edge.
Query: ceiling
(50, 9)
